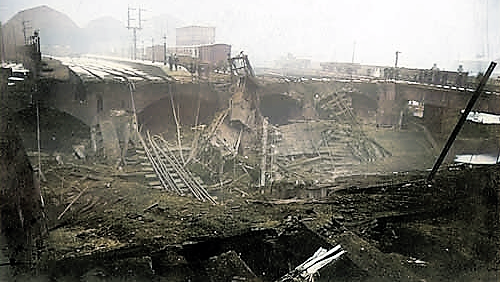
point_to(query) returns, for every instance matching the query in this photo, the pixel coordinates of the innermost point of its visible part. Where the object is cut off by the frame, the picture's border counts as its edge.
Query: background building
(195, 35)
(214, 53)
(207, 53)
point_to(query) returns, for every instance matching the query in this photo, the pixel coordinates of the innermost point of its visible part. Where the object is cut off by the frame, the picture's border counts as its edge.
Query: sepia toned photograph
(259, 141)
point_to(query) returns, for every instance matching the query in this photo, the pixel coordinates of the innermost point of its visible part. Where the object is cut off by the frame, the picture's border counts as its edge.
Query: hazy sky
(425, 31)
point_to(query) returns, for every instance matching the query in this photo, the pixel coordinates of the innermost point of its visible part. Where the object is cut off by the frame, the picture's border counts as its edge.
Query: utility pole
(396, 65)
(140, 18)
(353, 52)
(26, 27)
(165, 49)
(2, 46)
(143, 51)
(134, 28)
(152, 49)
(352, 63)
(396, 62)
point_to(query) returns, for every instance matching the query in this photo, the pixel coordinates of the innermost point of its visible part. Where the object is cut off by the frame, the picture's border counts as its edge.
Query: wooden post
(177, 125)
(264, 154)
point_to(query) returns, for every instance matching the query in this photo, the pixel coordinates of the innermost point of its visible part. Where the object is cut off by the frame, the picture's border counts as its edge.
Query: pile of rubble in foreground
(109, 224)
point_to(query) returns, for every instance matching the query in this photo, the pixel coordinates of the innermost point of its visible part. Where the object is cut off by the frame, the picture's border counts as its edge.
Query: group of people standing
(173, 62)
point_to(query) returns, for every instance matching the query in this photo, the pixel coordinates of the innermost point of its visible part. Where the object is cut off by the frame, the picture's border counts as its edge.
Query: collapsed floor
(112, 224)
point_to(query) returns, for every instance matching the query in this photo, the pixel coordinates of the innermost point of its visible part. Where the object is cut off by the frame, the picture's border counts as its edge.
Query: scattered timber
(151, 207)
(307, 270)
(72, 202)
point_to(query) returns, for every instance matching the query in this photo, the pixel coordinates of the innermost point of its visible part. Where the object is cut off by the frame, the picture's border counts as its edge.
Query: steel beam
(461, 121)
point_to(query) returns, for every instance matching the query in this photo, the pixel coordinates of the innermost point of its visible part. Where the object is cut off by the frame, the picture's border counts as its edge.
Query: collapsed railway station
(128, 170)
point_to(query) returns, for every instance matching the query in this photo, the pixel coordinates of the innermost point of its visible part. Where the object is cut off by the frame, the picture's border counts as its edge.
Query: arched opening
(59, 131)
(280, 108)
(190, 109)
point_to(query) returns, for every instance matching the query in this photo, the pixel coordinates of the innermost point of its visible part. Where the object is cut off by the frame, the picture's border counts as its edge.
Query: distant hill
(104, 36)
(58, 32)
(109, 36)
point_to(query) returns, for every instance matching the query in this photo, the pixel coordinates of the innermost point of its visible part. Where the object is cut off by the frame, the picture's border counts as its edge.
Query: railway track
(171, 173)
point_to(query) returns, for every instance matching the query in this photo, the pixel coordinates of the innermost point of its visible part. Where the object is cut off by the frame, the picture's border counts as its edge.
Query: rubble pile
(100, 219)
